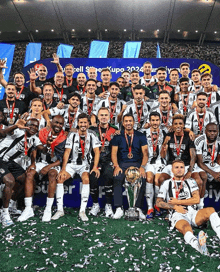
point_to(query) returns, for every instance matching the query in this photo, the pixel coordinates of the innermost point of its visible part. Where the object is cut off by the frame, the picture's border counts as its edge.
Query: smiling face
(134, 78)
(10, 91)
(83, 124)
(59, 79)
(164, 100)
(178, 125)
(74, 101)
(174, 76)
(184, 71)
(161, 75)
(36, 107)
(42, 71)
(48, 92)
(201, 101)
(33, 127)
(128, 122)
(206, 81)
(57, 124)
(69, 70)
(211, 132)
(139, 95)
(106, 77)
(19, 80)
(155, 121)
(103, 116)
(92, 73)
(91, 87)
(81, 79)
(147, 68)
(114, 91)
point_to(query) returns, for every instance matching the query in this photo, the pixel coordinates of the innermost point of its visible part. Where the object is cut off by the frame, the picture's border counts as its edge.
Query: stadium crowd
(165, 132)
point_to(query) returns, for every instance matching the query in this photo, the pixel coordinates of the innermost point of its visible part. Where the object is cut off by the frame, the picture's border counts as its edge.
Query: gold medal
(130, 155)
(11, 122)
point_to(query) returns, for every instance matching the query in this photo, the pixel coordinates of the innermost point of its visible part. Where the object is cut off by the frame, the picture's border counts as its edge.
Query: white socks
(191, 240)
(59, 196)
(156, 191)
(149, 195)
(49, 203)
(84, 197)
(28, 202)
(215, 222)
(201, 203)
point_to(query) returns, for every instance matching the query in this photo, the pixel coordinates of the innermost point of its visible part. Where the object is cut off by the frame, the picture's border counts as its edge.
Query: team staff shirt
(61, 94)
(115, 106)
(184, 154)
(156, 89)
(88, 105)
(152, 156)
(199, 127)
(202, 148)
(50, 105)
(185, 103)
(139, 140)
(70, 119)
(101, 89)
(25, 95)
(19, 108)
(75, 142)
(139, 112)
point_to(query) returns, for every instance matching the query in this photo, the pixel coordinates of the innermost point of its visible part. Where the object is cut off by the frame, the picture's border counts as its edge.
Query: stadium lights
(141, 30)
(158, 30)
(125, 30)
(106, 30)
(19, 31)
(215, 32)
(36, 30)
(196, 31)
(52, 30)
(73, 30)
(178, 30)
(89, 30)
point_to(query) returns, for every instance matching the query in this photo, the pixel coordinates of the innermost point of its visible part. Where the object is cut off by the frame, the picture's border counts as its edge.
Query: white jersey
(65, 113)
(92, 103)
(202, 148)
(152, 156)
(42, 121)
(188, 101)
(147, 82)
(215, 107)
(192, 120)
(73, 141)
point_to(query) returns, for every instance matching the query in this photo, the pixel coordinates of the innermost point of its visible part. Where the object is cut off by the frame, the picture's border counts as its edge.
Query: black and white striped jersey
(192, 120)
(89, 105)
(188, 101)
(205, 149)
(90, 141)
(215, 107)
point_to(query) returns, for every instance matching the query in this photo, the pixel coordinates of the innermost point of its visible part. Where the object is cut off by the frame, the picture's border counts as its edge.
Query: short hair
(69, 64)
(126, 71)
(105, 70)
(36, 99)
(82, 116)
(139, 87)
(74, 94)
(103, 108)
(10, 84)
(202, 93)
(164, 92)
(32, 119)
(58, 115)
(161, 69)
(174, 69)
(120, 77)
(177, 160)
(184, 64)
(47, 84)
(134, 72)
(90, 79)
(127, 115)
(154, 113)
(92, 67)
(178, 117)
(211, 124)
(147, 62)
(183, 79)
(18, 73)
(205, 75)
(195, 71)
(114, 84)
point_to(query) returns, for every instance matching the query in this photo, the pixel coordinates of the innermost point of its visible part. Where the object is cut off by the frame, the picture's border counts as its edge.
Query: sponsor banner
(131, 49)
(7, 53)
(117, 66)
(64, 51)
(32, 54)
(98, 49)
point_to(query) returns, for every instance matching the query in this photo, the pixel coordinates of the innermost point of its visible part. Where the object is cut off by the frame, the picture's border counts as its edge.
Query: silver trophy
(132, 188)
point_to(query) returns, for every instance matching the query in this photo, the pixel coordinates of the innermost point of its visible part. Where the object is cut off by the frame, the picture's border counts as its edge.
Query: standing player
(155, 138)
(105, 132)
(77, 158)
(180, 195)
(147, 78)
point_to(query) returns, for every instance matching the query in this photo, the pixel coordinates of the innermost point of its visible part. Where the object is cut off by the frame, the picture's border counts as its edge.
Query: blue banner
(158, 51)
(7, 53)
(131, 49)
(117, 66)
(32, 54)
(98, 49)
(64, 50)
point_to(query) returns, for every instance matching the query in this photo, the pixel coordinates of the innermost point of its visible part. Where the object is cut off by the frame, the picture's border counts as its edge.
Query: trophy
(132, 188)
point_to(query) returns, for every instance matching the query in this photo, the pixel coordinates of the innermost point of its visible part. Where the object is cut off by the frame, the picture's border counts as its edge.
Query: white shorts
(168, 169)
(215, 168)
(40, 165)
(155, 168)
(189, 217)
(73, 169)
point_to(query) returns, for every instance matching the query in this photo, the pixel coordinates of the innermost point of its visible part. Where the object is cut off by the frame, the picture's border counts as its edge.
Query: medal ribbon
(178, 147)
(112, 108)
(165, 119)
(209, 100)
(139, 112)
(200, 123)
(103, 137)
(69, 84)
(60, 95)
(89, 105)
(212, 152)
(11, 114)
(82, 144)
(185, 103)
(83, 90)
(25, 144)
(129, 146)
(71, 119)
(19, 94)
(177, 190)
(46, 106)
(154, 142)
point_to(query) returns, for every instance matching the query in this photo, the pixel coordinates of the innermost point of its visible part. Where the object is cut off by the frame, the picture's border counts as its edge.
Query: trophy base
(132, 214)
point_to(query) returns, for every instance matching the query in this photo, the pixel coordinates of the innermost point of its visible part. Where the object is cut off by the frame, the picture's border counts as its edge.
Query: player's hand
(45, 170)
(117, 171)
(62, 176)
(147, 125)
(60, 105)
(142, 172)
(31, 167)
(32, 74)
(214, 88)
(188, 175)
(192, 135)
(173, 201)
(3, 64)
(216, 176)
(21, 122)
(124, 107)
(117, 132)
(48, 124)
(98, 84)
(56, 59)
(180, 209)
(97, 172)
(167, 139)
(175, 109)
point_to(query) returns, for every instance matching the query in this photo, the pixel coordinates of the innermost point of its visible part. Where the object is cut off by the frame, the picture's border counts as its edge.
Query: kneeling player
(77, 158)
(180, 196)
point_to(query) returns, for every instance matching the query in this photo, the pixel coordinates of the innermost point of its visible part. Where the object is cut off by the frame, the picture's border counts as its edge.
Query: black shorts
(10, 167)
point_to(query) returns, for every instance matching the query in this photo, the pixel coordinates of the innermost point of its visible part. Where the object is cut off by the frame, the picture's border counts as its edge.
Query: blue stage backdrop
(117, 66)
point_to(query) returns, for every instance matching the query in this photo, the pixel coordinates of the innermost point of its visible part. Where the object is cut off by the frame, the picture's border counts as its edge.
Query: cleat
(150, 214)
(57, 215)
(27, 213)
(141, 214)
(119, 213)
(157, 211)
(83, 216)
(47, 215)
(6, 220)
(202, 243)
(95, 209)
(108, 211)
(14, 211)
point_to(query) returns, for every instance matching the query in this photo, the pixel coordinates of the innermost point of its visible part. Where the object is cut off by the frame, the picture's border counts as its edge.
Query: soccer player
(128, 149)
(128, 92)
(48, 163)
(77, 158)
(185, 71)
(199, 117)
(126, 75)
(36, 112)
(155, 138)
(80, 87)
(105, 132)
(180, 195)
(196, 78)
(174, 77)
(213, 95)
(147, 78)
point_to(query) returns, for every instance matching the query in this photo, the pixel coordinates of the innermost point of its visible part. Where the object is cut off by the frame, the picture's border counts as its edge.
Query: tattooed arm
(160, 203)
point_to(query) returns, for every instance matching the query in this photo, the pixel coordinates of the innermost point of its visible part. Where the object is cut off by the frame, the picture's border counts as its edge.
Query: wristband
(143, 166)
